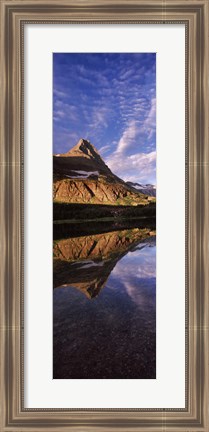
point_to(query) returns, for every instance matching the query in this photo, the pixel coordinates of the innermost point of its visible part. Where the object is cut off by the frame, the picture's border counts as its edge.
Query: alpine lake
(104, 299)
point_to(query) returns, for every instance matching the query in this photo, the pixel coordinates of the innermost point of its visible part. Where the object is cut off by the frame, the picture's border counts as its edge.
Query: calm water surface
(104, 306)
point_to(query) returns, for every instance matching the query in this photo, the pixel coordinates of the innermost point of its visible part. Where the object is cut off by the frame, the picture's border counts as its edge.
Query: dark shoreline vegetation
(63, 211)
(67, 230)
(74, 220)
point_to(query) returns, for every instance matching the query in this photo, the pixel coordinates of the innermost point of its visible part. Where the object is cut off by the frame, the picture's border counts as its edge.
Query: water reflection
(104, 306)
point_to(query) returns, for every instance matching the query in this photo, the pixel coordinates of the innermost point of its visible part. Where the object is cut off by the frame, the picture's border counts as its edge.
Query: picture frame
(14, 15)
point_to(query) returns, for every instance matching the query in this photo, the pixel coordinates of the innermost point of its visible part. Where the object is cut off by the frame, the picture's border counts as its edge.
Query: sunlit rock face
(86, 262)
(81, 176)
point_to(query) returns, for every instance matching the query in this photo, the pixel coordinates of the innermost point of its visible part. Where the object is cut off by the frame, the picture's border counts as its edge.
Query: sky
(110, 100)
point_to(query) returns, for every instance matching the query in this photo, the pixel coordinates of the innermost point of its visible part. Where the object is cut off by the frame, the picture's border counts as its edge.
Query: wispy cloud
(104, 149)
(110, 100)
(59, 93)
(140, 123)
(138, 167)
(128, 137)
(150, 122)
(137, 273)
(142, 263)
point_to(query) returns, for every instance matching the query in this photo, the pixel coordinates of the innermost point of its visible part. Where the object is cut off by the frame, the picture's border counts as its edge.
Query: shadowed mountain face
(86, 262)
(82, 161)
(81, 176)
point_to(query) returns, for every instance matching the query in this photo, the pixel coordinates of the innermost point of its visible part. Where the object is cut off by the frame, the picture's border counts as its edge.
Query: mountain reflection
(86, 262)
(114, 335)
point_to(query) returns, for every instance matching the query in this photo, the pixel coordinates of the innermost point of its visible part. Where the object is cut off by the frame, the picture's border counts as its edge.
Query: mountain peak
(84, 148)
(81, 176)
(84, 158)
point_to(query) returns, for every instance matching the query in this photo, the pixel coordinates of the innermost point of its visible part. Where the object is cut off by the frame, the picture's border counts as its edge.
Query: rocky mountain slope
(146, 189)
(81, 176)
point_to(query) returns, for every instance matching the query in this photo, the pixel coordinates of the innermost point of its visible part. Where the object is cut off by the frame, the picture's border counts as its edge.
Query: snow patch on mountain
(83, 174)
(146, 189)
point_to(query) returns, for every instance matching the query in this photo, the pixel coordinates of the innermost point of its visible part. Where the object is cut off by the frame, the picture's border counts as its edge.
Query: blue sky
(109, 99)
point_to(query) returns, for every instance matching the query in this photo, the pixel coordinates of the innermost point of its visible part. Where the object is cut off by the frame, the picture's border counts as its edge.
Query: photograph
(104, 215)
(105, 109)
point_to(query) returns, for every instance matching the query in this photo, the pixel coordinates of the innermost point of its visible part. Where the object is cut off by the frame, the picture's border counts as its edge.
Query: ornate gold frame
(14, 15)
